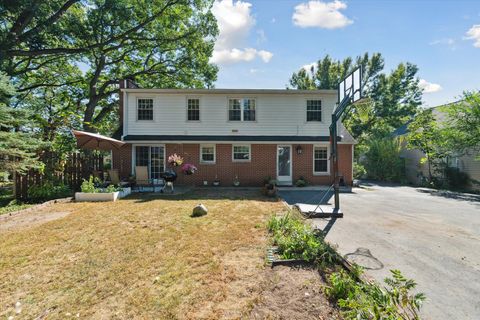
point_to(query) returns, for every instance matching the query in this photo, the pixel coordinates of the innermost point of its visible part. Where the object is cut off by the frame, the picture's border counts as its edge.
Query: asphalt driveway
(432, 237)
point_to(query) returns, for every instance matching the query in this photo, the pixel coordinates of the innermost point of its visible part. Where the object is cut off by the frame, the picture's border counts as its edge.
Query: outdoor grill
(169, 176)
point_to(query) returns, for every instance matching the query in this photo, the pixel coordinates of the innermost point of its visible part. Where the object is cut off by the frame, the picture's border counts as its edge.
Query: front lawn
(138, 258)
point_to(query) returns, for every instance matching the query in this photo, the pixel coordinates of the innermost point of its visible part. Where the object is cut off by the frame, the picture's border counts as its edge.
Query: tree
(426, 135)
(393, 98)
(462, 123)
(18, 146)
(161, 43)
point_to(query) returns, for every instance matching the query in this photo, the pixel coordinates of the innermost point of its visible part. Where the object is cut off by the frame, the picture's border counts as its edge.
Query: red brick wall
(263, 163)
(122, 160)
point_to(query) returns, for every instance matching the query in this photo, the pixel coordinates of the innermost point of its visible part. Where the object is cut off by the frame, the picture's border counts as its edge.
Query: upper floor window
(314, 110)
(241, 153)
(241, 109)
(193, 109)
(145, 109)
(320, 159)
(207, 153)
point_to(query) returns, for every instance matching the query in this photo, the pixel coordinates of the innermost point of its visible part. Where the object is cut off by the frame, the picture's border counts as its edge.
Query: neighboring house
(416, 171)
(244, 134)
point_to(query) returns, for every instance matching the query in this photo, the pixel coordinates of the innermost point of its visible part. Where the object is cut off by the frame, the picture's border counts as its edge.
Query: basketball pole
(347, 100)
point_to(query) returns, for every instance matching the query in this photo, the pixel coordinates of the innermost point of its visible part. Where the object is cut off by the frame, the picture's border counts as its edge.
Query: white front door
(284, 164)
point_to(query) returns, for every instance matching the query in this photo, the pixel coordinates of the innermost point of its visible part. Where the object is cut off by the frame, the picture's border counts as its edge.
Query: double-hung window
(241, 153)
(207, 153)
(241, 109)
(314, 110)
(145, 109)
(193, 109)
(320, 160)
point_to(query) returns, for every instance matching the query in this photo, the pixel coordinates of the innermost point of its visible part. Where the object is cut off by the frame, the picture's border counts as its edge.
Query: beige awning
(88, 140)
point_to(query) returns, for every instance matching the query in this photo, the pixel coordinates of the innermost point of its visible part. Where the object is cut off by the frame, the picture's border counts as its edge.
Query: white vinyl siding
(275, 114)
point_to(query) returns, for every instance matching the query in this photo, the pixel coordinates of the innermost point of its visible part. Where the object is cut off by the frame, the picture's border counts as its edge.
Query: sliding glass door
(152, 157)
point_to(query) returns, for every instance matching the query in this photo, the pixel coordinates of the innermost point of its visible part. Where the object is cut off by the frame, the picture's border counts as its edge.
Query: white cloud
(308, 67)
(474, 34)
(449, 42)
(320, 14)
(265, 55)
(429, 87)
(235, 22)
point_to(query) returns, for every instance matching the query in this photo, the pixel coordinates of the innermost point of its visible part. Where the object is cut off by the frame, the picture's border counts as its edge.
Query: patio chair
(141, 177)
(115, 178)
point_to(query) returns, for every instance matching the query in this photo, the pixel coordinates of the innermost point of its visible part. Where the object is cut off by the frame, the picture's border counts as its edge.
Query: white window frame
(134, 156)
(242, 109)
(214, 146)
(199, 108)
(153, 108)
(321, 111)
(249, 153)
(321, 173)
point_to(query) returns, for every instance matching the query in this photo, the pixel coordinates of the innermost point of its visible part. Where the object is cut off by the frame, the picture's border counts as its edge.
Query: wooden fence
(70, 171)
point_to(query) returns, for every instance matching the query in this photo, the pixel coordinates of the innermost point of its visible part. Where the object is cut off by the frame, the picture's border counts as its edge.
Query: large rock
(199, 210)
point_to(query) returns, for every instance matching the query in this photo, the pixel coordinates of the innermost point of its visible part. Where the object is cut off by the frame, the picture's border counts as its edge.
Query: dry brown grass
(142, 258)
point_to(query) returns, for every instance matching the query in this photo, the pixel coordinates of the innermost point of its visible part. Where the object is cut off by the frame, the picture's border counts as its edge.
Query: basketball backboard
(351, 86)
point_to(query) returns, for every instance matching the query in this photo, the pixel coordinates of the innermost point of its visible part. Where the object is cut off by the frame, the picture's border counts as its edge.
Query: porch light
(299, 149)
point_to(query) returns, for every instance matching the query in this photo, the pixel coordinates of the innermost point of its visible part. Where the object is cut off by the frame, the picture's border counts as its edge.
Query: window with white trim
(207, 153)
(241, 153)
(241, 109)
(314, 110)
(145, 109)
(320, 159)
(193, 109)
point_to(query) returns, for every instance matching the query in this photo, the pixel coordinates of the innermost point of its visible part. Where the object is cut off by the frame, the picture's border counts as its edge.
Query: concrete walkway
(432, 237)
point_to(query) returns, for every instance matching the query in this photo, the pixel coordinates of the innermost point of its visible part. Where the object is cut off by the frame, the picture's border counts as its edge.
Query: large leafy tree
(18, 145)
(93, 44)
(393, 98)
(426, 134)
(462, 123)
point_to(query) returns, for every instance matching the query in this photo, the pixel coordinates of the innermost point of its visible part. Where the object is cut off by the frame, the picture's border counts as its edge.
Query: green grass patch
(8, 203)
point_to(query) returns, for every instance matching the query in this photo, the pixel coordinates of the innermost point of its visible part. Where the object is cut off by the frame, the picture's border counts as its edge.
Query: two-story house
(228, 134)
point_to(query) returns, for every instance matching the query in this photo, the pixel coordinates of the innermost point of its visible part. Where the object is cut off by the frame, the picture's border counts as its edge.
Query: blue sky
(263, 42)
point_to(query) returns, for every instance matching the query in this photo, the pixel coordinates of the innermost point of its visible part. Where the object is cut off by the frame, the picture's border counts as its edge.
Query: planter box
(125, 192)
(86, 196)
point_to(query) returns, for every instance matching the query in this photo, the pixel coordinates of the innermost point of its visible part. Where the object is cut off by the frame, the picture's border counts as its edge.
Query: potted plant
(301, 182)
(269, 187)
(216, 182)
(188, 169)
(236, 181)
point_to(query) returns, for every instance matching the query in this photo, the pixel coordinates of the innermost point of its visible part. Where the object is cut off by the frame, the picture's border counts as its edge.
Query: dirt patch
(293, 293)
(29, 218)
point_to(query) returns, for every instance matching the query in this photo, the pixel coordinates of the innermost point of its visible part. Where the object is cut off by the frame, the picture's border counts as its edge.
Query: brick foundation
(263, 163)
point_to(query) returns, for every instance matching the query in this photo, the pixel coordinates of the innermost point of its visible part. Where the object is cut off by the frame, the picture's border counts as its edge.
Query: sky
(262, 42)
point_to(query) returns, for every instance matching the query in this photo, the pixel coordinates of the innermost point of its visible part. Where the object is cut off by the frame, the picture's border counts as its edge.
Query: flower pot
(216, 183)
(236, 183)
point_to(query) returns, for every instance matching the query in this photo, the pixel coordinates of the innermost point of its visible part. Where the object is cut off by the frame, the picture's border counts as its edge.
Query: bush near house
(356, 298)
(383, 160)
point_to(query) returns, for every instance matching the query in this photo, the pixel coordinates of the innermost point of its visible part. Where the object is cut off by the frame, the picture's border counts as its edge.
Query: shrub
(48, 191)
(383, 160)
(88, 186)
(359, 171)
(361, 300)
(301, 182)
(456, 179)
(296, 240)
